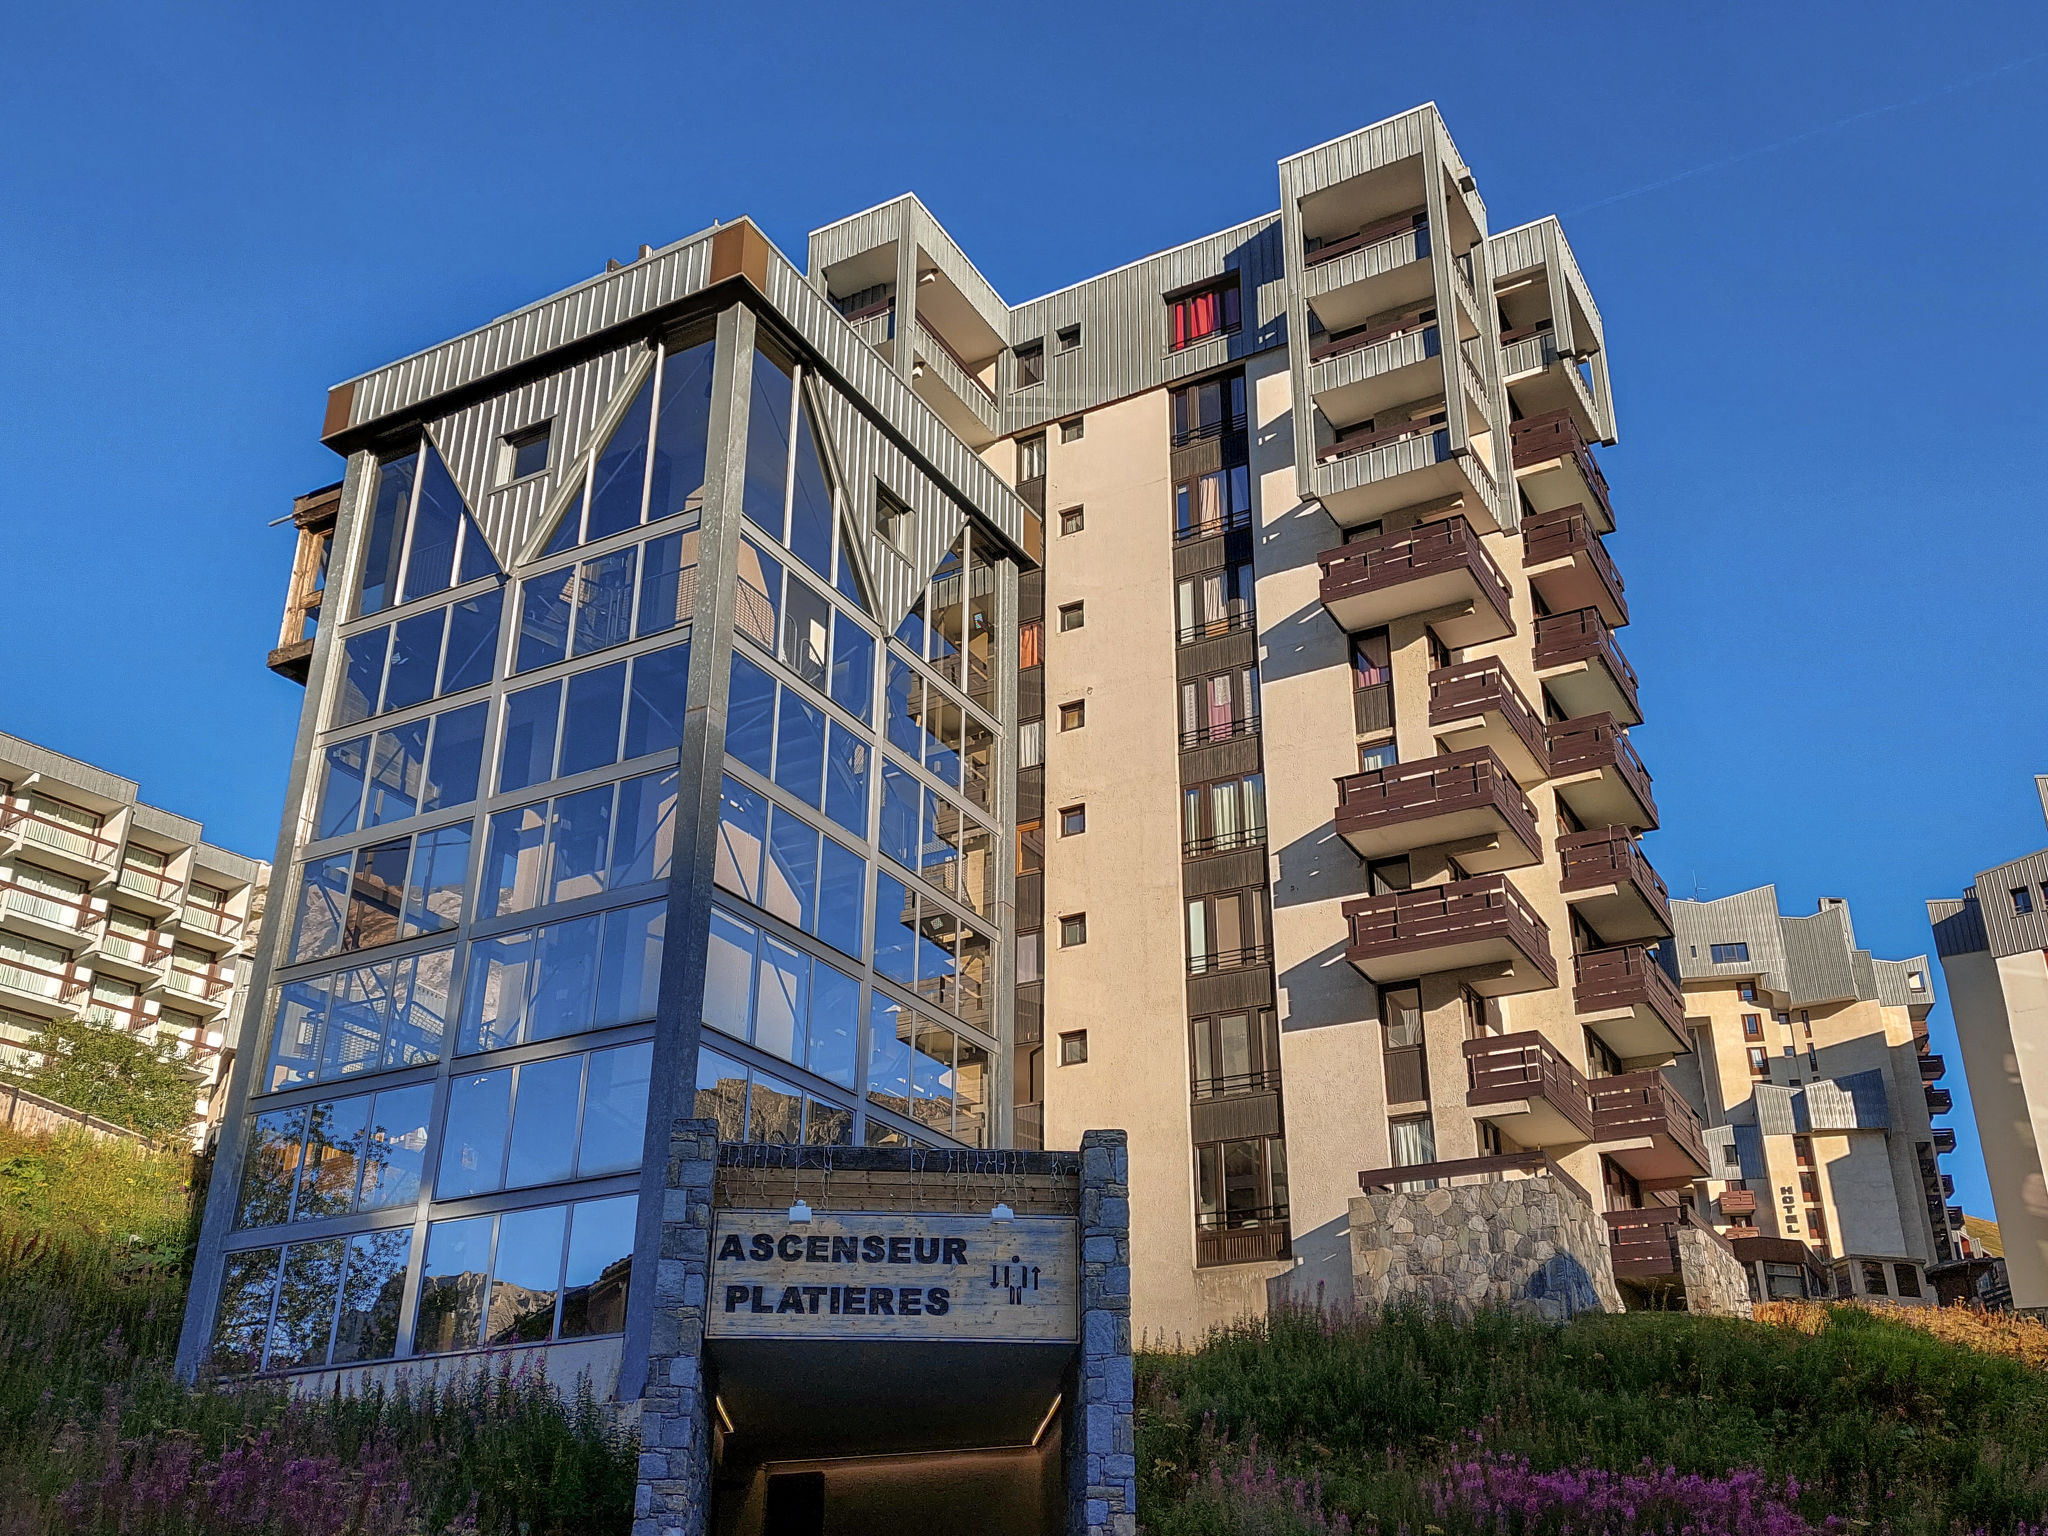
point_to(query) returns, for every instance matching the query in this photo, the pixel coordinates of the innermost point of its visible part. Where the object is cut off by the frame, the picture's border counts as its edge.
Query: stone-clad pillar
(1102, 1463)
(674, 1495)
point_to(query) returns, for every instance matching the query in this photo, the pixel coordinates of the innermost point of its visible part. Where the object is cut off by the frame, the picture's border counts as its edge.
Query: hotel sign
(851, 1275)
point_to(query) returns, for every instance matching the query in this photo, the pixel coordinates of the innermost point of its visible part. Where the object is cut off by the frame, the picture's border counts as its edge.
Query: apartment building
(1816, 1088)
(113, 909)
(866, 713)
(1993, 944)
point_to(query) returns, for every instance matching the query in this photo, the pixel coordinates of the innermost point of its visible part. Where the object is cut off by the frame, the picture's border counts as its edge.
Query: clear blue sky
(1827, 351)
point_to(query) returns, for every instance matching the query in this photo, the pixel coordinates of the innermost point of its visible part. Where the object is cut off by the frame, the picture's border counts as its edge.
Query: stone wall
(1102, 1464)
(1533, 1245)
(674, 1495)
(1716, 1283)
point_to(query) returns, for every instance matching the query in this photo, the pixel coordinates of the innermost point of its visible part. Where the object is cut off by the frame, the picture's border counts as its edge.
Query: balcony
(1521, 1083)
(1440, 567)
(206, 986)
(1242, 1237)
(149, 890)
(1624, 997)
(1646, 1127)
(1939, 1101)
(1541, 380)
(1483, 926)
(1610, 884)
(1944, 1140)
(138, 957)
(1569, 567)
(959, 391)
(1367, 472)
(61, 919)
(1351, 276)
(1476, 704)
(45, 987)
(1597, 774)
(62, 844)
(1577, 660)
(1486, 1170)
(1644, 1243)
(1466, 799)
(1555, 469)
(1932, 1067)
(1353, 375)
(1738, 1202)
(124, 1012)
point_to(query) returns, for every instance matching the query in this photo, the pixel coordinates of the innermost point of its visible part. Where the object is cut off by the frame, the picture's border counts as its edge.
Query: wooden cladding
(1639, 1105)
(1554, 435)
(1483, 921)
(1503, 1069)
(1605, 980)
(1449, 789)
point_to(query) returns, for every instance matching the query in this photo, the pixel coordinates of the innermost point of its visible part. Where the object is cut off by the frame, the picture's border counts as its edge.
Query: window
(1068, 337)
(1240, 1184)
(1073, 1048)
(892, 520)
(524, 1277)
(593, 972)
(2022, 901)
(1030, 956)
(1031, 744)
(387, 891)
(1073, 930)
(329, 1159)
(773, 1112)
(367, 1019)
(1747, 991)
(1759, 1061)
(1916, 981)
(1030, 459)
(1226, 932)
(595, 604)
(611, 837)
(373, 780)
(1215, 501)
(1073, 715)
(1234, 1053)
(1874, 1279)
(327, 1303)
(1908, 1278)
(545, 1122)
(1731, 1156)
(1219, 708)
(1227, 814)
(1071, 430)
(599, 717)
(1030, 364)
(1729, 954)
(1377, 755)
(781, 1000)
(398, 665)
(1073, 821)
(422, 539)
(1031, 643)
(1071, 521)
(1030, 847)
(925, 1072)
(1072, 616)
(1213, 603)
(524, 453)
(652, 467)
(1213, 311)
(1752, 1026)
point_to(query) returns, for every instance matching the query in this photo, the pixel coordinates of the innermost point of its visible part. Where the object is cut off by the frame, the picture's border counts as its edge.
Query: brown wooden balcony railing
(1611, 856)
(1582, 635)
(76, 913)
(1336, 344)
(209, 983)
(55, 832)
(1242, 1237)
(885, 305)
(1594, 742)
(1484, 687)
(1568, 534)
(147, 882)
(1395, 227)
(1644, 1243)
(145, 949)
(212, 920)
(1392, 559)
(1501, 1069)
(1932, 1066)
(1554, 435)
(1440, 916)
(1939, 1101)
(128, 1013)
(1633, 1105)
(1486, 1170)
(1436, 786)
(59, 982)
(1738, 1202)
(1627, 977)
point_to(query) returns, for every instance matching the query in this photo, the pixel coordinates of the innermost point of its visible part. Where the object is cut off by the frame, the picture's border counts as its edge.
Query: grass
(1865, 1418)
(98, 1436)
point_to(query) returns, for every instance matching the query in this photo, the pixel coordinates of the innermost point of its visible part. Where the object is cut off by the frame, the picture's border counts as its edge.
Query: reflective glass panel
(457, 761)
(800, 747)
(590, 723)
(526, 1280)
(372, 1288)
(453, 1280)
(619, 479)
(661, 693)
(341, 792)
(682, 427)
(729, 975)
(528, 756)
(514, 860)
(375, 895)
(544, 602)
(472, 651)
(394, 1152)
(789, 882)
(742, 834)
(832, 1048)
(629, 971)
(546, 1099)
(389, 510)
(580, 841)
(303, 1324)
(604, 601)
(595, 1280)
(768, 413)
(846, 779)
(332, 1163)
(615, 1111)
(398, 762)
(473, 1141)
(750, 716)
(415, 659)
(494, 1010)
(566, 986)
(644, 830)
(842, 898)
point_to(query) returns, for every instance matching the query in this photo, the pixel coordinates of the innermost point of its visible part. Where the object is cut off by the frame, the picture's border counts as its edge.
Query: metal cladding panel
(1852, 1103)
(1866, 974)
(27, 757)
(1747, 917)
(1958, 926)
(2009, 932)
(573, 315)
(1749, 1146)
(1123, 320)
(576, 400)
(949, 258)
(1818, 959)
(150, 818)
(1515, 251)
(1894, 989)
(224, 861)
(851, 236)
(1774, 1113)
(1384, 143)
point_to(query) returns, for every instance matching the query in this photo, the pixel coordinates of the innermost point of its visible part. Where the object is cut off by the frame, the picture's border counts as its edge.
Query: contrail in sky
(1811, 133)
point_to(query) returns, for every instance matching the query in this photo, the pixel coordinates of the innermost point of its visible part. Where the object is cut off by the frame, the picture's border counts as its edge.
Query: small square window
(1730, 954)
(1074, 1048)
(2022, 901)
(1072, 616)
(1071, 521)
(1030, 364)
(1752, 1026)
(1073, 821)
(1070, 431)
(1073, 930)
(1747, 991)
(1069, 337)
(524, 453)
(1073, 716)
(892, 519)
(1731, 1156)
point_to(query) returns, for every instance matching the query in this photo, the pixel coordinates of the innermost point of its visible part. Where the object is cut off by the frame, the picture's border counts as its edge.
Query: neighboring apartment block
(849, 706)
(115, 910)
(1817, 1090)
(1993, 943)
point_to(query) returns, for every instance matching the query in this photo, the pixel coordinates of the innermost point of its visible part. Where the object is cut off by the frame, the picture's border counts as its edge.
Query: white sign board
(853, 1275)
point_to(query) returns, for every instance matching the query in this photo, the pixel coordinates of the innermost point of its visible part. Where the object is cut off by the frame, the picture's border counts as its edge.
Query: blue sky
(1815, 233)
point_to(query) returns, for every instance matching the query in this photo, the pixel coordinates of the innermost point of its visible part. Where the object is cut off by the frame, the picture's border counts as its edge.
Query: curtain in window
(1223, 814)
(1414, 1141)
(1219, 708)
(1370, 658)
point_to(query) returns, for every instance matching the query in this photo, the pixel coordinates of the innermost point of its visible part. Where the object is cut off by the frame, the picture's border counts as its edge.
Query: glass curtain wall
(445, 1126)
